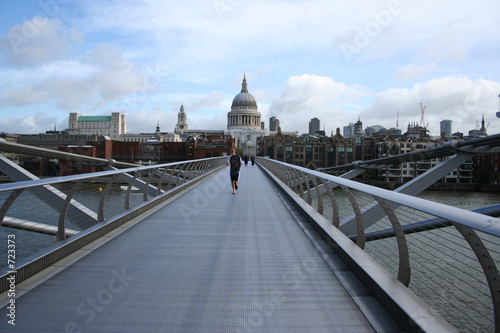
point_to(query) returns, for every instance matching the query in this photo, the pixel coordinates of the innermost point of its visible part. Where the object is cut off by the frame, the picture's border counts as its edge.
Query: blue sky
(334, 60)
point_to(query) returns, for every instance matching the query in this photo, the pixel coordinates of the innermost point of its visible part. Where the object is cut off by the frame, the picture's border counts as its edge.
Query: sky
(381, 62)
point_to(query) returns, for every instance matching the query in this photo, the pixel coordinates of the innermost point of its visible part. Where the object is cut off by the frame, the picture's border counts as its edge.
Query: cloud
(308, 96)
(312, 91)
(424, 31)
(213, 99)
(38, 123)
(104, 54)
(414, 71)
(457, 98)
(104, 77)
(38, 41)
(143, 121)
(241, 32)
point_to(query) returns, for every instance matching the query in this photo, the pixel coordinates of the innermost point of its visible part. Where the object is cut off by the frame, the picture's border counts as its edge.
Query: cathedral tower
(181, 121)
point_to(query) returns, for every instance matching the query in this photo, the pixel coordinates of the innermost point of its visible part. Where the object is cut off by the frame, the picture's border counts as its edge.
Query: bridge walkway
(208, 261)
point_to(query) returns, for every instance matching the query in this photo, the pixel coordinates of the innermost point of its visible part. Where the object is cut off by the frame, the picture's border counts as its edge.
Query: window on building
(270, 152)
(279, 153)
(341, 155)
(289, 155)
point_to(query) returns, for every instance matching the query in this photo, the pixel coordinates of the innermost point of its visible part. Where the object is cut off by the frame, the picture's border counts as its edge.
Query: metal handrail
(69, 178)
(487, 224)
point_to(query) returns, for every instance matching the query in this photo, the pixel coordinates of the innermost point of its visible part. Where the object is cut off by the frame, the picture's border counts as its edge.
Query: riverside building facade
(323, 152)
(316, 151)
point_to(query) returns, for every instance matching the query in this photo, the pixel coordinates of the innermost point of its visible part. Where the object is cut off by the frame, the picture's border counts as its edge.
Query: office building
(445, 127)
(313, 126)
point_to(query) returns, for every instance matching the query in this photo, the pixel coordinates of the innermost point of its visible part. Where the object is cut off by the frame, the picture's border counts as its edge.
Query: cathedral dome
(244, 98)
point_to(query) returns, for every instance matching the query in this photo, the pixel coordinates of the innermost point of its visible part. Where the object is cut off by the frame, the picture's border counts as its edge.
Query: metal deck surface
(209, 261)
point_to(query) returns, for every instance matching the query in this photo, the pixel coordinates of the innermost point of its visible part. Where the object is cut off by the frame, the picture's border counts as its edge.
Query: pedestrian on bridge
(234, 162)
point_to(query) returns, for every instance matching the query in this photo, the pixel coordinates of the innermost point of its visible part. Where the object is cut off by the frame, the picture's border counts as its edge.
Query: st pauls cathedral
(243, 122)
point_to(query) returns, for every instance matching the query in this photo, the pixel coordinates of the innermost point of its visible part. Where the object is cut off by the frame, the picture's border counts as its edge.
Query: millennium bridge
(169, 248)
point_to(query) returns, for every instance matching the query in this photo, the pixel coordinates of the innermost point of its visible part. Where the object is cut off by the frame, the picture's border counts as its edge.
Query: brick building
(144, 153)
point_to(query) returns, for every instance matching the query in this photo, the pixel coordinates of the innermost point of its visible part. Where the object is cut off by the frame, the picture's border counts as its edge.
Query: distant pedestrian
(245, 158)
(234, 163)
(253, 160)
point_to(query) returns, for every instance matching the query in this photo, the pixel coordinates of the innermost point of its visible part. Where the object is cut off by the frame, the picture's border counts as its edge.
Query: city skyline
(334, 61)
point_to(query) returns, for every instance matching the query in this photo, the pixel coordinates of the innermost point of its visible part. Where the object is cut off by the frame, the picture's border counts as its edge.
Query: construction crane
(498, 113)
(397, 120)
(422, 119)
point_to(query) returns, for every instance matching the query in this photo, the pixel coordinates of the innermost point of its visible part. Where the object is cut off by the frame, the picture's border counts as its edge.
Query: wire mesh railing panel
(345, 210)
(384, 251)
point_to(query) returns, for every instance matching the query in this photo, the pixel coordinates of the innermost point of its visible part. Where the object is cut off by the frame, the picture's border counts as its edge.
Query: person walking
(234, 162)
(252, 158)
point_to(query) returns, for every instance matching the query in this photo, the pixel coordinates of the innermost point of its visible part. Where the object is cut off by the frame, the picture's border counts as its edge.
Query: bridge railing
(48, 219)
(445, 255)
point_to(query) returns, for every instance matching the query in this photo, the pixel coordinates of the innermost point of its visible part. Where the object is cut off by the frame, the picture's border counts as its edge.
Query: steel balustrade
(476, 229)
(21, 207)
(178, 172)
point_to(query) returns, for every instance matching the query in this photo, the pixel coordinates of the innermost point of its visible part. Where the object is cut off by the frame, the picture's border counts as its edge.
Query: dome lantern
(244, 98)
(244, 88)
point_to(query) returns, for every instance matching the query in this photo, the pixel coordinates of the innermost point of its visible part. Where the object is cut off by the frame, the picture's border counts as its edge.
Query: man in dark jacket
(234, 163)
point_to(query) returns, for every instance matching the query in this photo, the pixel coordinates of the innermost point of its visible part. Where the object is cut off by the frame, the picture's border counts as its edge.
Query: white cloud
(308, 96)
(39, 122)
(213, 99)
(142, 121)
(105, 81)
(457, 98)
(104, 54)
(37, 41)
(414, 71)
(424, 31)
(145, 121)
